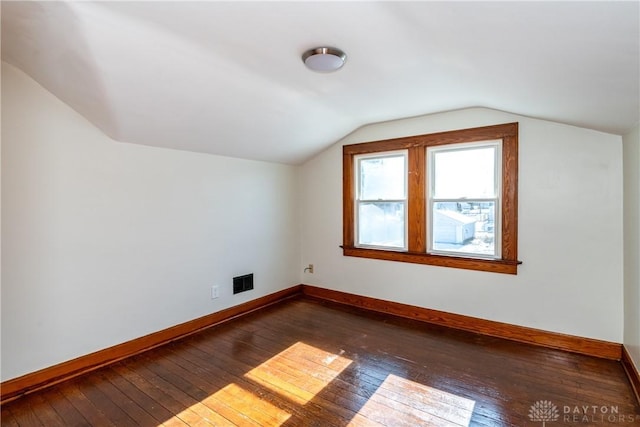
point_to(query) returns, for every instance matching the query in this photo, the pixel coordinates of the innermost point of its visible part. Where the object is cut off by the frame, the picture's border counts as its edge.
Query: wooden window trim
(417, 145)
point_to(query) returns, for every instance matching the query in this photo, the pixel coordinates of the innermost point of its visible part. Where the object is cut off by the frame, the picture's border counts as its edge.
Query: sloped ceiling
(227, 78)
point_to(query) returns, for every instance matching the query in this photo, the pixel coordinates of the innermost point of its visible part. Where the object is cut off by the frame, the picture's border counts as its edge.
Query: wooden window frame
(417, 213)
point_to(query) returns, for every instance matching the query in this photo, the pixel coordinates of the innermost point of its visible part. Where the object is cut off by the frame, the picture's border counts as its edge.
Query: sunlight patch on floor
(399, 401)
(245, 402)
(233, 404)
(300, 372)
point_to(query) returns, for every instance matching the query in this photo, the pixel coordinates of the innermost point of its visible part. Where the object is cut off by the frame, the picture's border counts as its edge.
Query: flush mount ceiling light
(324, 59)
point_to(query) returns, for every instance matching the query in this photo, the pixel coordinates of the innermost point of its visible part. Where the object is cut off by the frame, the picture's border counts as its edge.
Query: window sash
(432, 201)
(362, 201)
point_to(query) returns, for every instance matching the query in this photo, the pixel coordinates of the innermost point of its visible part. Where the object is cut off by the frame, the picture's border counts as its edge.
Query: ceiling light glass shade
(324, 59)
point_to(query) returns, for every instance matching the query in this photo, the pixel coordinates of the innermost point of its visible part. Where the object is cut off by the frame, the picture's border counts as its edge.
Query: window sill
(479, 264)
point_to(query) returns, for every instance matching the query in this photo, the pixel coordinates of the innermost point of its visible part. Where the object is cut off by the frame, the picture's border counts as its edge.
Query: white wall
(570, 232)
(632, 244)
(103, 242)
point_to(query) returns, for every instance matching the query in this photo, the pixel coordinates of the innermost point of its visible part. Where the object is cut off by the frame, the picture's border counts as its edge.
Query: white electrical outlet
(214, 292)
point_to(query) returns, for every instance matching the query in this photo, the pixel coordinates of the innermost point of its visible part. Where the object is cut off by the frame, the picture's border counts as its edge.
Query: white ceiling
(227, 77)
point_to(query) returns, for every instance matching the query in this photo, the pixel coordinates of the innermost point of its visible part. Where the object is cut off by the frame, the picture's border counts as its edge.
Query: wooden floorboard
(311, 363)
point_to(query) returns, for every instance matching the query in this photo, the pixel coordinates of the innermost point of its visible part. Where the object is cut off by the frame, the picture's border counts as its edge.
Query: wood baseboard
(14, 388)
(587, 346)
(631, 371)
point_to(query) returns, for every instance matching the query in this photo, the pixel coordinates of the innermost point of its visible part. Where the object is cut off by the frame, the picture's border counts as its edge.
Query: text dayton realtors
(595, 414)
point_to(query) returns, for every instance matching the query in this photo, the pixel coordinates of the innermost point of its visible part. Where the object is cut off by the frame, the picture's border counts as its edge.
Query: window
(464, 199)
(447, 199)
(381, 199)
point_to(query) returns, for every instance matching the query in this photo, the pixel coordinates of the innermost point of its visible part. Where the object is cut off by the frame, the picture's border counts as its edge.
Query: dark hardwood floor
(309, 363)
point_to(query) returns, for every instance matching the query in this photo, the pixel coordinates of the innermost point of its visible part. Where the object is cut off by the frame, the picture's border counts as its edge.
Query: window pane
(464, 227)
(382, 178)
(466, 173)
(381, 224)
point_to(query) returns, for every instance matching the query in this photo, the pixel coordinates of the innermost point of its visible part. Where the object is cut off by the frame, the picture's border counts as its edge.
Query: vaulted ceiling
(227, 77)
